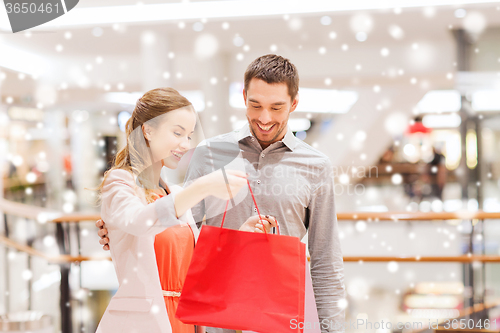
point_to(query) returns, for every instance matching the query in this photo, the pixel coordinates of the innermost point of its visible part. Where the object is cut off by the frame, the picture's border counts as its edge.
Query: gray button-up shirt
(294, 183)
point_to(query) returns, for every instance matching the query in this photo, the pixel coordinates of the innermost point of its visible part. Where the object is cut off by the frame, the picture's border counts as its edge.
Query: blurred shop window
(123, 117)
(26, 321)
(109, 151)
(12, 170)
(388, 156)
(421, 160)
(434, 295)
(67, 164)
(437, 173)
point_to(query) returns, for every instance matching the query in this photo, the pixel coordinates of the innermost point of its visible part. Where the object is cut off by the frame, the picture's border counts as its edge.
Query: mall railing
(64, 221)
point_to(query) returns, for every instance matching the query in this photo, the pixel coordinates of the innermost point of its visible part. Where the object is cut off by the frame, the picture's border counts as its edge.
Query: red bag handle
(255, 203)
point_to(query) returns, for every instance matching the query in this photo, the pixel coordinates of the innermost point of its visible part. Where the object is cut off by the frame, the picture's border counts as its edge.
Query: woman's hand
(103, 233)
(216, 185)
(253, 223)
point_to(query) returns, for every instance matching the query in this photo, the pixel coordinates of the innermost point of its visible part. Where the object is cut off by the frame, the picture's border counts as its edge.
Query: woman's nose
(185, 144)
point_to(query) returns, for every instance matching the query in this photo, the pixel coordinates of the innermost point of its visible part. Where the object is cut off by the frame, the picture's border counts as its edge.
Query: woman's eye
(189, 138)
(177, 134)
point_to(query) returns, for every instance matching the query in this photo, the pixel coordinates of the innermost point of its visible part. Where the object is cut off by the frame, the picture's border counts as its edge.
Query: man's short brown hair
(273, 68)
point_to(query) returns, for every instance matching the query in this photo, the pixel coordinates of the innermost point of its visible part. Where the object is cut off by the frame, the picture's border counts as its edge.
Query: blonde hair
(149, 108)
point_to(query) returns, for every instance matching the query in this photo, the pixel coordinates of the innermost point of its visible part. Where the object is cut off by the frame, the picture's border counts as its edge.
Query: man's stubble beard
(280, 131)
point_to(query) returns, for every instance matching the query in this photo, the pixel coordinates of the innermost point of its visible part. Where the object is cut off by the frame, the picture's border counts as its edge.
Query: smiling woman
(170, 139)
(151, 230)
(156, 130)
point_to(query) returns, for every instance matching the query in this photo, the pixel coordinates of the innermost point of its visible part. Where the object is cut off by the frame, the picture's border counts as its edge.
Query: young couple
(150, 227)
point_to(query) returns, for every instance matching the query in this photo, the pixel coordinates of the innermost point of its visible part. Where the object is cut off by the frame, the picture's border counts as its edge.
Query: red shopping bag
(245, 281)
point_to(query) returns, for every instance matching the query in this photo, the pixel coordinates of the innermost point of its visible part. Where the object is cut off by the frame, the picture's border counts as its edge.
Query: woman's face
(171, 139)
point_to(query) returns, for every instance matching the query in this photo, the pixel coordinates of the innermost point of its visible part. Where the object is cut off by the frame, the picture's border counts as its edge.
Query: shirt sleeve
(327, 265)
(195, 170)
(123, 209)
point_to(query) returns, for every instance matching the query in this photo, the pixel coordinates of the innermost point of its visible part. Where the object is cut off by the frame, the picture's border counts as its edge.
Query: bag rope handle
(258, 212)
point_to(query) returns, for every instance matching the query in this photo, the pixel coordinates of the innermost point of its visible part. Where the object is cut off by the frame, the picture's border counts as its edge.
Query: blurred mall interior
(404, 99)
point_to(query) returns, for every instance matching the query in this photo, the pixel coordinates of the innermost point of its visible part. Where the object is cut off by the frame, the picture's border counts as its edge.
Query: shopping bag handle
(257, 207)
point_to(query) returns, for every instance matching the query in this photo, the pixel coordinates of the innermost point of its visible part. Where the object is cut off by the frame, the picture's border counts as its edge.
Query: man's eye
(276, 109)
(256, 107)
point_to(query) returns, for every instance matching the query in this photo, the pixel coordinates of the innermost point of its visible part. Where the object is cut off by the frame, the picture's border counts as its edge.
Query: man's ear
(295, 102)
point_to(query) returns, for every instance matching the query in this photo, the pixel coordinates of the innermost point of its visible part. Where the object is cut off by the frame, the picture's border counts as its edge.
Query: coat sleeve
(123, 209)
(187, 217)
(198, 168)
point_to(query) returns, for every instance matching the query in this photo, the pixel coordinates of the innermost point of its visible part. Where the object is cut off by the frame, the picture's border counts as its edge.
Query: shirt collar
(289, 139)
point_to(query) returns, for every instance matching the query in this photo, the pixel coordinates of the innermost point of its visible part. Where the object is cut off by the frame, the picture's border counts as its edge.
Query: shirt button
(262, 155)
(255, 209)
(258, 181)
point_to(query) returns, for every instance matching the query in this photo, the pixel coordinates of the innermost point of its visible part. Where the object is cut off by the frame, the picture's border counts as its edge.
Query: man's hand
(103, 232)
(253, 224)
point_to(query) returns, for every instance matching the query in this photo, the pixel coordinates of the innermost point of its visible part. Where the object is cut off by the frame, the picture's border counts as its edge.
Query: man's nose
(265, 117)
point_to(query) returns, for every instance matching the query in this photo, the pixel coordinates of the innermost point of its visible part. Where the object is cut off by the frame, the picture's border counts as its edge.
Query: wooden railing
(61, 259)
(43, 215)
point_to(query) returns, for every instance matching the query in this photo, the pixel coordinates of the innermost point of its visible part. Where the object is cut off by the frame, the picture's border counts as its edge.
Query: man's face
(268, 109)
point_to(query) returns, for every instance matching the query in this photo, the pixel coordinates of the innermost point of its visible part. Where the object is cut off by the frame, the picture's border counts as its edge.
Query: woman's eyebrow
(184, 129)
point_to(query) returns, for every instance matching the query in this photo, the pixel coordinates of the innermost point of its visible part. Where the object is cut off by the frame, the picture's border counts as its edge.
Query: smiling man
(291, 181)
(268, 107)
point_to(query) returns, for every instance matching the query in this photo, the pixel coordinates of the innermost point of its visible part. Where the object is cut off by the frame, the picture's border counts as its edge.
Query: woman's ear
(146, 131)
